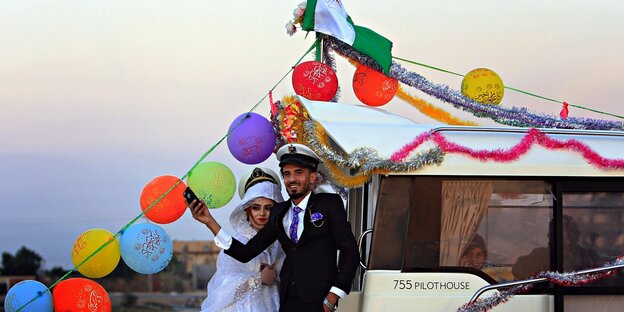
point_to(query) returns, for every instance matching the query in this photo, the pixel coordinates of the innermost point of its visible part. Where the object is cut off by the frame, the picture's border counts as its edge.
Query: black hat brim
(299, 159)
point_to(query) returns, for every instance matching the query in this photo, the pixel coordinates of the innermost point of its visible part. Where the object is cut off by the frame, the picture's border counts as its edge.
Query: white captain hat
(298, 154)
(255, 176)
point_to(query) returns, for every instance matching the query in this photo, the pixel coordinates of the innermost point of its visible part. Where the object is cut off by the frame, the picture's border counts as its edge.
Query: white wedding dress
(236, 286)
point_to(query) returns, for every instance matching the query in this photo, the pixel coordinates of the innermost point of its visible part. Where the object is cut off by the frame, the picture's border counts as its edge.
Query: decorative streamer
(519, 117)
(514, 117)
(534, 136)
(288, 124)
(273, 107)
(365, 161)
(328, 59)
(404, 152)
(335, 172)
(296, 127)
(291, 118)
(563, 279)
(512, 88)
(497, 155)
(346, 180)
(431, 111)
(293, 125)
(426, 108)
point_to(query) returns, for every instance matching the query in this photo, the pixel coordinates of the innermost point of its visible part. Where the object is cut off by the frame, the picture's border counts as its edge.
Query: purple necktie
(294, 224)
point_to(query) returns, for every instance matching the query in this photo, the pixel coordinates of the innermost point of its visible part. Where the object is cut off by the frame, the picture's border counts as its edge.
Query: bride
(250, 286)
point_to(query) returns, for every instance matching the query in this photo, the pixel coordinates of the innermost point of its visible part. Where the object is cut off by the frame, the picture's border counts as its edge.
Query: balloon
(253, 140)
(80, 294)
(372, 87)
(315, 81)
(146, 248)
(483, 86)
(171, 207)
(21, 293)
(213, 182)
(102, 263)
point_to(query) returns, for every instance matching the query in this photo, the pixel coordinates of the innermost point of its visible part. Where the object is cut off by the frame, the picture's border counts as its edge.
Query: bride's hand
(200, 212)
(268, 275)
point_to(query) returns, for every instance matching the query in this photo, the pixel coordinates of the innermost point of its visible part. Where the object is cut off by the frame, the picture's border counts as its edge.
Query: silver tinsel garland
(515, 116)
(366, 159)
(563, 279)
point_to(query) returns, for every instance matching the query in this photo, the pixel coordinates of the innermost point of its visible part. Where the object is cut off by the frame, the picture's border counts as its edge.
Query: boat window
(517, 226)
(394, 202)
(496, 227)
(593, 231)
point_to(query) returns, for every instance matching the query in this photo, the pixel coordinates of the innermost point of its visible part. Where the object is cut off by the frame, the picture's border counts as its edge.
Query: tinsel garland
(293, 125)
(519, 117)
(335, 172)
(563, 279)
(433, 112)
(534, 136)
(401, 154)
(329, 60)
(288, 125)
(291, 117)
(346, 180)
(365, 161)
(426, 108)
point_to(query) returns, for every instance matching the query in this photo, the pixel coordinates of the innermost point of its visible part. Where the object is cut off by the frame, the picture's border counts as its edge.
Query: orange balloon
(171, 207)
(80, 294)
(372, 87)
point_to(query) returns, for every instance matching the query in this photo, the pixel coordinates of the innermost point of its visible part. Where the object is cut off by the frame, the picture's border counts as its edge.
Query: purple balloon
(253, 141)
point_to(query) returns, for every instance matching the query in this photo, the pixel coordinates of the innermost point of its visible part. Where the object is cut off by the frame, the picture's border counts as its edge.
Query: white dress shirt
(287, 221)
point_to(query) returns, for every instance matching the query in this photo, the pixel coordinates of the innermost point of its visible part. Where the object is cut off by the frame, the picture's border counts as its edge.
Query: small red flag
(564, 111)
(273, 106)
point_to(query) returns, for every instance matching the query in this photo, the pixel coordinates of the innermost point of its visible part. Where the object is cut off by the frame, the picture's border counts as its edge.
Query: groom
(311, 229)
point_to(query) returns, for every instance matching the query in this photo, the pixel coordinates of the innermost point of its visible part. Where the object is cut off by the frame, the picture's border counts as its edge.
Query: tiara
(257, 176)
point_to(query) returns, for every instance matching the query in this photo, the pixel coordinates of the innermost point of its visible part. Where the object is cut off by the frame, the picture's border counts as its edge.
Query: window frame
(560, 185)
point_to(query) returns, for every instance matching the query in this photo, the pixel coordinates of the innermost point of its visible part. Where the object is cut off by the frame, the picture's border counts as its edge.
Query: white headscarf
(238, 218)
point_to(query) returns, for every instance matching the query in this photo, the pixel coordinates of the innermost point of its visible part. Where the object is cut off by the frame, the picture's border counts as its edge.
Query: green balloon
(213, 182)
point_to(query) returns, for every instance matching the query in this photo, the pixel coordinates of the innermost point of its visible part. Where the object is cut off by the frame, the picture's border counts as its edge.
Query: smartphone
(189, 195)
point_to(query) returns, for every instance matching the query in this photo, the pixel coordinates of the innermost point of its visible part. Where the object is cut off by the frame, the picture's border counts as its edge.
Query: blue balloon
(146, 248)
(24, 291)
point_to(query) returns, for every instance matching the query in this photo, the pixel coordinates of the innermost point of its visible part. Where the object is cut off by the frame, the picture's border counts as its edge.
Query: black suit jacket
(310, 268)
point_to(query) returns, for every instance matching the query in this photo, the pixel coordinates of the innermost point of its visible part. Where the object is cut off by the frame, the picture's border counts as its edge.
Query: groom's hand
(333, 299)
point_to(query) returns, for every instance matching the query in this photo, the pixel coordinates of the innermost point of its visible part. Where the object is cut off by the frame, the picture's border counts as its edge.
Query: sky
(97, 98)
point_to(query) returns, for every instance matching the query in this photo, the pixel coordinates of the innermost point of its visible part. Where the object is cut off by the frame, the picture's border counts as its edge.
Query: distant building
(199, 259)
(7, 281)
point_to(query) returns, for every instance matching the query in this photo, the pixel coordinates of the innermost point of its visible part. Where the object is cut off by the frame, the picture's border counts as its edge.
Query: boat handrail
(483, 289)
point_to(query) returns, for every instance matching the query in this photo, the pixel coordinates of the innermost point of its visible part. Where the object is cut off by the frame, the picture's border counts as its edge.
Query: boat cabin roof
(355, 126)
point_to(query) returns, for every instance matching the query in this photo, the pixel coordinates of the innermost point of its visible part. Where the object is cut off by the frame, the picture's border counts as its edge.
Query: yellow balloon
(483, 86)
(102, 263)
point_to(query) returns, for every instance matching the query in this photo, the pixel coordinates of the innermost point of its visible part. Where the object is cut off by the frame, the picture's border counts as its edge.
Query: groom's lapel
(285, 207)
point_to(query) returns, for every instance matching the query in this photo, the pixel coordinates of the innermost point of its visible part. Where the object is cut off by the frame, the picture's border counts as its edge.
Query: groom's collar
(304, 203)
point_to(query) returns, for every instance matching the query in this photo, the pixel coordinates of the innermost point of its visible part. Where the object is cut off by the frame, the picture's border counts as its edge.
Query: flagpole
(319, 48)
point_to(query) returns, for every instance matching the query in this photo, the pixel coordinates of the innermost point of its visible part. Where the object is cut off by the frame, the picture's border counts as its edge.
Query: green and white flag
(330, 17)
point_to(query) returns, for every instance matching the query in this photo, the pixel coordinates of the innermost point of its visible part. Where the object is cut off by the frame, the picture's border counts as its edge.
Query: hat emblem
(257, 176)
(292, 149)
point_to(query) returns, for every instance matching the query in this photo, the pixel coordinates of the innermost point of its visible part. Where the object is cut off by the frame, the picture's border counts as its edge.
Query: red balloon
(372, 87)
(171, 207)
(80, 294)
(315, 81)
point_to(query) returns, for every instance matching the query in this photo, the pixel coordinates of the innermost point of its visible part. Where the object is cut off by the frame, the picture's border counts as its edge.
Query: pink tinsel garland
(506, 155)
